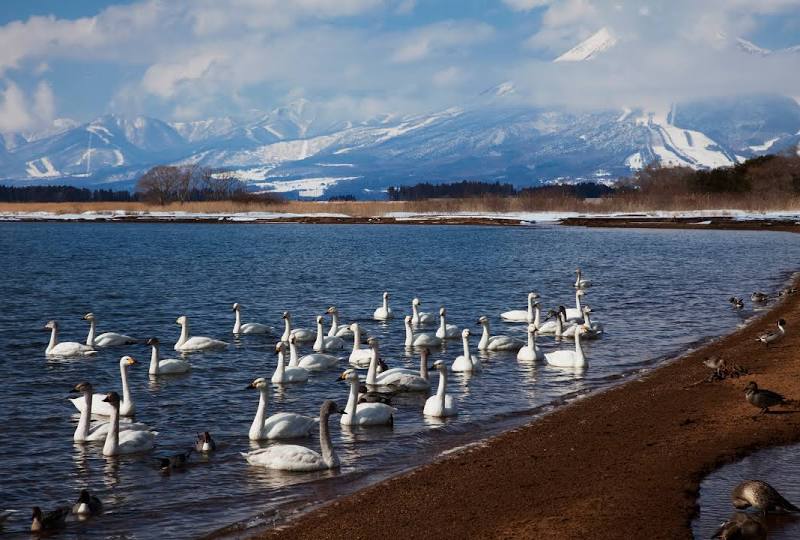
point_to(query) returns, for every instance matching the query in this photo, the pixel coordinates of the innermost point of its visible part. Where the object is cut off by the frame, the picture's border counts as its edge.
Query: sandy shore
(624, 463)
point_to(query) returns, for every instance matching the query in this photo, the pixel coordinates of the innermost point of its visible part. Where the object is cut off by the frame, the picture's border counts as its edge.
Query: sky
(183, 60)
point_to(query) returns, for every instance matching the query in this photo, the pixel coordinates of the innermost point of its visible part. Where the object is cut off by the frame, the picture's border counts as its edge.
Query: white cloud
(163, 79)
(526, 5)
(19, 112)
(406, 7)
(439, 38)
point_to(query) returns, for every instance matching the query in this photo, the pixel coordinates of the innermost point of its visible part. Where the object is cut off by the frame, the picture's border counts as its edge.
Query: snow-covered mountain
(600, 41)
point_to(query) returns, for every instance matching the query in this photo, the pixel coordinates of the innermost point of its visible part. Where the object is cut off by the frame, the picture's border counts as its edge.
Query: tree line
(472, 188)
(57, 194)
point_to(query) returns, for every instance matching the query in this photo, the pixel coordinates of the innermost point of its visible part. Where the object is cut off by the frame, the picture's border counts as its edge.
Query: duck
(106, 339)
(466, 362)
(83, 433)
(768, 338)
(446, 331)
(419, 318)
(65, 349)
(496, 343)
(359, 357)
(87, 505)
(530, 352)
(195, 343)
(384, 312)
(326, 343)
(363, 414)
(441, 404)
(311, 362)
(165, 366)
(285, 374)
(399, 379)
(742, 526)
(762, 399)
(50, 521)
(335, 330)
(177, 461)
(134, 442)
(204, 443)
(761, 496)
(580, 282)
(575, 314)
(531, 315)
(282, 425)
(249, 328)
(302, 335)
(299, 458)
(567, 358)
(736, 302)
(759, 297)
(419, 340)
(99, 406)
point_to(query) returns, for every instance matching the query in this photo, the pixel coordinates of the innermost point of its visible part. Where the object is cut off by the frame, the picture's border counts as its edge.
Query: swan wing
(304, 335)
(202, 343)
(136, 441)
(426, 340)
(71, 348)
(288, 425)
(370, 414)
(111, 339)
(256, 328)
(286, 457)
(503, 343)
(318, 361)
(561, 358)
(515, 315)
(173, 365)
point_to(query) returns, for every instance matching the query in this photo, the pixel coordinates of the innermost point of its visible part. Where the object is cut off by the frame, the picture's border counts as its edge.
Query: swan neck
(442, 323)
(578, 301)
(537, 317)
(261, 412)
(465, 342)
(153, 360)
(372, 372)
(53, 338)
(484, 335)
(184, 333)
(385, 304)
(581, 359)
(442, 389)
(294, 360)
(237, 326)
(409, 335)
(356, 337)
(92, 330)
(111, 446)
(126, 391)
(559, 325)
(82, 432)
(414, 314)
(281, 368)
(531, 339)
(352, 400)
(329, 457)
(319, 342)
(287, 329)
(423, 367)
(334, 324)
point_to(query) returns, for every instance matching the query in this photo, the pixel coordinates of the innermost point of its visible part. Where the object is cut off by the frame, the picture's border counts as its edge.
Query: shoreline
(550, 480)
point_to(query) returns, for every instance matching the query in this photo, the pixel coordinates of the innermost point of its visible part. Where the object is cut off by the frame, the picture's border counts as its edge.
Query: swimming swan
(575, 314)
(194, 343)
(85, 433)
(581, 283)
(65, 348)
(496, 343)
(530, 352)
(359, 357)
(100, 406)
(524, 316)
(165, 366)
(134, 441)
(441, 404)
(311, 362)
(553, 327)
(446, 331)
(466, 362)
(419, 318)
(248, 328)
(326, 343)
(289, 457)
(106, 339)
(336, 330)
(592, 330)
(301, 334)
(400, 379)
(383, 313)
(285, 374)
(363, 414)
(419, 340)
(283, 425)
(567, 358)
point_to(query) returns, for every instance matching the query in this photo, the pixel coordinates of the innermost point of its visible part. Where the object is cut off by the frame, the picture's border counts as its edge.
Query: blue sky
(186, 60)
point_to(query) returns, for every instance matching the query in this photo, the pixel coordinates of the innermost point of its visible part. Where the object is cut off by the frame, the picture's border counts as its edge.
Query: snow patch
(598, 42)
(763, 147)
(635, 162)
(48, 170)
(305, 187)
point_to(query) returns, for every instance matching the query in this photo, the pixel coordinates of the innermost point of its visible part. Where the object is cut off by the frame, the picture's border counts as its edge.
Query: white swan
(441, 404)
(106, 339)
(65, 348)
(302, 335)
(165, 366)
(446, 331)
(419, 340)
(285, 374)
(249, 328)
(552, 327)
(383, 313)
(133, 442)
(522, 315)
(283, 425)
(400, 379)
(194, 343)
(581, 283)
(530, 352)
(568, 358)
(84, 432)
(575, 314)
(363, 414)
(290, 457)
(419, 318)
(311, 362)
(359, 357)
(496, 343)
(592, 330)
(100, 406)
(466, 362)
(336, 330)
(326, 343)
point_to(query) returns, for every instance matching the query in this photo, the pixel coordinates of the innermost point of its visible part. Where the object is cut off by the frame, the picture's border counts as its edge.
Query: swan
(289, 457)
(441, 404)
(83, 433)
(553, 327)
(285, 374)
(383, 313)
(446, 331)
(134, 442)
(592, 330)
(530, 352)
(424, 353)
(302, 335)
(195, 343)
(419, 318)
(326, 343)
(496, 343)
(65, 348)
(102, 407)
(419, 340)
(248, 328)
(336, 330)
(466, 362)
(166, 366)
(106, 339)
(567, 358)
(575, 314)
(359, 357)
(283, 425)
(524, 316)
(363, 414)
(311, 362)
(400, 379)
(581, 283)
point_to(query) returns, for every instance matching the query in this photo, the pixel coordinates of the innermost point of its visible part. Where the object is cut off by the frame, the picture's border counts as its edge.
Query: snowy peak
(600, 41)
(503, 89)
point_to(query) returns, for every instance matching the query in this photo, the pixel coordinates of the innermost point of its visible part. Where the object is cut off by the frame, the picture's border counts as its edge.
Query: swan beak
(249, 386)
(132, 361)
(340, 377)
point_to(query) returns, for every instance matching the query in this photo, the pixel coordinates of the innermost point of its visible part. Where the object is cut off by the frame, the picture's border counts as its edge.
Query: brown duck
(763, 399)
(742, 526)
(761, 496)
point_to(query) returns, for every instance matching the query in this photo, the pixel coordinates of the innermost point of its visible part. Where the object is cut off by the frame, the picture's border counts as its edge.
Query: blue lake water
(655, 291)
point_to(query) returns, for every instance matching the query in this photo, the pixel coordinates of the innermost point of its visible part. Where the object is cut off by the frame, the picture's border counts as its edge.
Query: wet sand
(624, 463)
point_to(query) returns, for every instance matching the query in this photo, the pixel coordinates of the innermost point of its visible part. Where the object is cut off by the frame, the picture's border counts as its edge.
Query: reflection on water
(649, 287)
